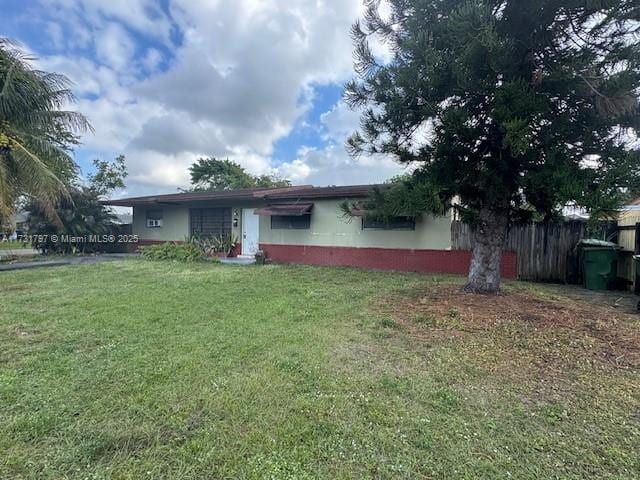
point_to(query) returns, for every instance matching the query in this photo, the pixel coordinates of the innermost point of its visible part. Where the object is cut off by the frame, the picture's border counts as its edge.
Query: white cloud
(162, 172)
(332, 166)
(87, 77)
(56, 34)
(145, 16)
(114, 47)
(340, 122)
(242, 75)
(115, 123)
(297, 171)
(152, 59)
(245, 67)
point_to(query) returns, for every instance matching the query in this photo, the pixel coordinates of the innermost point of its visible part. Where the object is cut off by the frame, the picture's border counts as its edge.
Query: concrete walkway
(89, 259)
(18, 252)
(238, 260)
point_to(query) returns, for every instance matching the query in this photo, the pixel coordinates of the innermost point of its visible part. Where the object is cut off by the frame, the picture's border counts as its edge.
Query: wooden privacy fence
(545, 251)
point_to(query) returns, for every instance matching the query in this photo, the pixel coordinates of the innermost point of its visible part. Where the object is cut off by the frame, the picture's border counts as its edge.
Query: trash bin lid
(594, 242)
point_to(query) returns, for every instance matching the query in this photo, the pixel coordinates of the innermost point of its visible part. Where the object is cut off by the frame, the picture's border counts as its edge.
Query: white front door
(250, 232)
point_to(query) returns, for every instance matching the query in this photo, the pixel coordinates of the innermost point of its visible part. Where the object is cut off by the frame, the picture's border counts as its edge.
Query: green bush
(213, 245)
(182, 252)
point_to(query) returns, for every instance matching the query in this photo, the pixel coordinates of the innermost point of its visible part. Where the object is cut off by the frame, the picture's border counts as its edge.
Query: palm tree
(36, 134)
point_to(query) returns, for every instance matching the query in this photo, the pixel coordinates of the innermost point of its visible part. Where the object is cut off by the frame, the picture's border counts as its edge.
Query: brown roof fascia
(294, 192)
(289, 209)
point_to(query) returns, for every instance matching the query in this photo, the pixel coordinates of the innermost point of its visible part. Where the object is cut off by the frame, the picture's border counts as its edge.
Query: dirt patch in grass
(570, 329)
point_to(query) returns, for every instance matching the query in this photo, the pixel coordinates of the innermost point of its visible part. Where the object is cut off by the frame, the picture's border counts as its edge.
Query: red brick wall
(434, 261)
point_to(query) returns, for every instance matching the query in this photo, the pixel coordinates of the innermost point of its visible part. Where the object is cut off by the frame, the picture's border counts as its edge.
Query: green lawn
(160, 370)
(12, 244)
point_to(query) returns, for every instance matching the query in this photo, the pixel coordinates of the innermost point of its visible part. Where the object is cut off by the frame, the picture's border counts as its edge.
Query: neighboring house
(303, 224)
(629, 239)
(629, 218)
(123, 218)
(17, 225)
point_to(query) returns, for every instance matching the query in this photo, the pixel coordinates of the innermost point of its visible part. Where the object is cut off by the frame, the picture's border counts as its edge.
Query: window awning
(291, 209)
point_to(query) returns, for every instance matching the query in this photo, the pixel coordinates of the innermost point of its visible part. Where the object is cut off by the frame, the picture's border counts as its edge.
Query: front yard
(12, 244)
(159, 370)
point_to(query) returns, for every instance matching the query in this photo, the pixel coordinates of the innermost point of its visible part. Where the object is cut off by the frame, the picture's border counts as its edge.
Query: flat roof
(307, 192)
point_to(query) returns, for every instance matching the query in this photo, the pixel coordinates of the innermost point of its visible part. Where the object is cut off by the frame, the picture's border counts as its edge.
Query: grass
(12, 244)
(161, 370)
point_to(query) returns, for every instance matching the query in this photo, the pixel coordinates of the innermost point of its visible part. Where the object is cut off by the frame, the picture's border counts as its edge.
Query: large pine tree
(514, 108)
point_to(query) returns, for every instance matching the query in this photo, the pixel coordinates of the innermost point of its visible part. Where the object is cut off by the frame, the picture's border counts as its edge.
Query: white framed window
(154, 218)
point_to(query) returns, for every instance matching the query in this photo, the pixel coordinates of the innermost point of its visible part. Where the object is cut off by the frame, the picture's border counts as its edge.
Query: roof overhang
(286, 209)
(631, 208)
(230, 197)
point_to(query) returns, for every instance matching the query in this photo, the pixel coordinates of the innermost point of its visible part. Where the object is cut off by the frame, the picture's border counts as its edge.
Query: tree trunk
(488, 242)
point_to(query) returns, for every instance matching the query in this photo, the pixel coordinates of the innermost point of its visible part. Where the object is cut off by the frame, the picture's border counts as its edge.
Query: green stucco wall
(329, 229)
(175, 223)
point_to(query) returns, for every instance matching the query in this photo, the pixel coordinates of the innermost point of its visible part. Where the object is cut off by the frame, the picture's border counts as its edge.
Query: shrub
(80, 215)
(212, 245)
(182, 252)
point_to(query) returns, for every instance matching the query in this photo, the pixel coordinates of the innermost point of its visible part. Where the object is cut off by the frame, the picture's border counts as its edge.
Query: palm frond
(7, 193)
(33, 174)
(40, 131)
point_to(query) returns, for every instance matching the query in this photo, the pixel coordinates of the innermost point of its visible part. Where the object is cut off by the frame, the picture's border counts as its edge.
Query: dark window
(154, 214)
(154, 218)
(209, 222)
(395, 223)
(290, 222)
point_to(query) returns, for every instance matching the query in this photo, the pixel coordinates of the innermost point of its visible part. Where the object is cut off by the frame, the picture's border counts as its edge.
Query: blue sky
(164, 82)
(308, 129)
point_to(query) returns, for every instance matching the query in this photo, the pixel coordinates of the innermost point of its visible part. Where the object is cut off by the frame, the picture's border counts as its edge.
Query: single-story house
(303, 224)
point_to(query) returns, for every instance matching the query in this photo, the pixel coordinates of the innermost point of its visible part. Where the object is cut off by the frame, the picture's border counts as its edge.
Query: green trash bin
(599, 263)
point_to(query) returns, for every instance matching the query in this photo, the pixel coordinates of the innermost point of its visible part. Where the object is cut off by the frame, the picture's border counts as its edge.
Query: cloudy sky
(164, 82)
